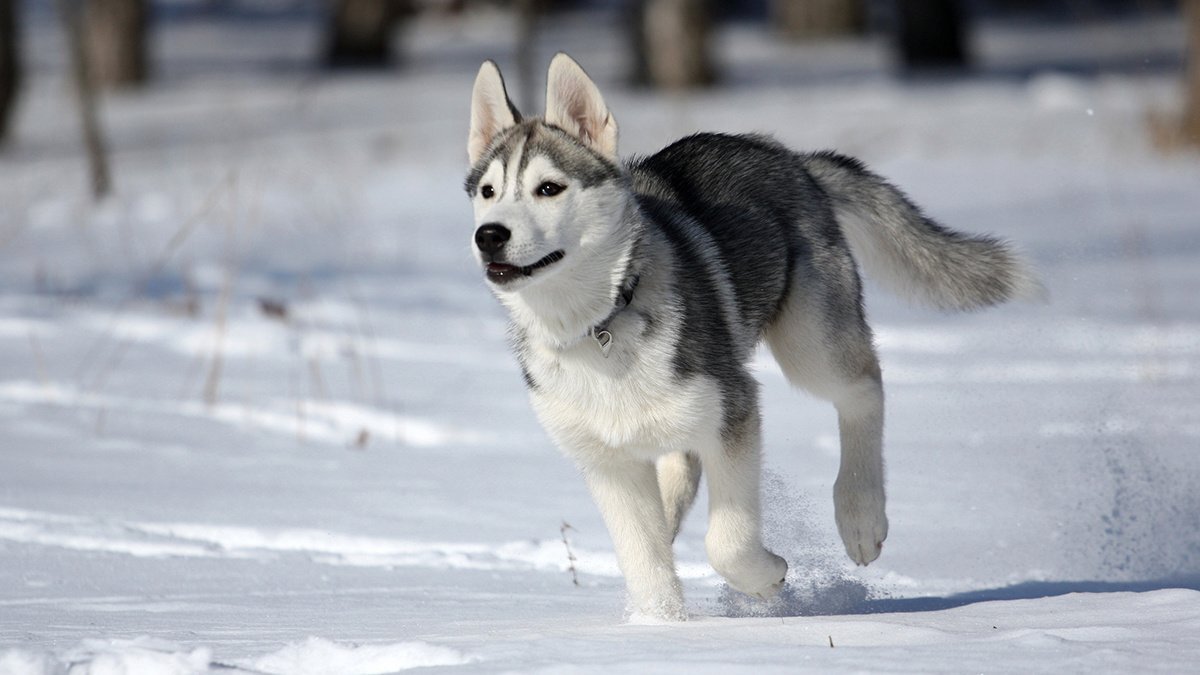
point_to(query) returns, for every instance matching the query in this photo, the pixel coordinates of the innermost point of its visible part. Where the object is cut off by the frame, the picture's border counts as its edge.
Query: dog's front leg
(627, 494)
(734, 539)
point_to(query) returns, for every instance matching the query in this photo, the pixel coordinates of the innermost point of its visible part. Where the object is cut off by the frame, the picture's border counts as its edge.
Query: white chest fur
(631, 402)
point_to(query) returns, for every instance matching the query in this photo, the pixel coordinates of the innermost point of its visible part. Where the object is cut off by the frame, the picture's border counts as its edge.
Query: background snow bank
(144, 656)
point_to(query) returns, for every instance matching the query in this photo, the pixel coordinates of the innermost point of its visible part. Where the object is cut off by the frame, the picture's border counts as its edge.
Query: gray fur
(781, 231)
(545, 139)
(914, 254)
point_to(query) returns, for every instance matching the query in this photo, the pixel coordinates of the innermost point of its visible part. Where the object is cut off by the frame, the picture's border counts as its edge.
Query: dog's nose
(490, 238)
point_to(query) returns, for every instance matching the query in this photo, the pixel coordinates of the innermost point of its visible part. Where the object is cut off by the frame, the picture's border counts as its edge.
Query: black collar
(627, 290)
(600, 332)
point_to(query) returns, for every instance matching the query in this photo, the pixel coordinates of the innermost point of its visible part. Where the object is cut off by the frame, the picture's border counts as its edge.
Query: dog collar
(600, 332)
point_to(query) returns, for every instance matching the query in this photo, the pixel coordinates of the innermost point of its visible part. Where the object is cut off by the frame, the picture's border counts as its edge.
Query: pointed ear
(574, 103)
(491, 111)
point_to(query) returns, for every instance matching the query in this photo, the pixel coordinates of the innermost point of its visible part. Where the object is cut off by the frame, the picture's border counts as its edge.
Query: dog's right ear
(491, 111)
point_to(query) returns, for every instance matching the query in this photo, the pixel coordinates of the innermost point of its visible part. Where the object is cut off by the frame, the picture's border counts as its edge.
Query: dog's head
(545, 191)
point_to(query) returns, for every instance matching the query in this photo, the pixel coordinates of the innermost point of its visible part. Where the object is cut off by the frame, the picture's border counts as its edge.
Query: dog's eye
(487, 192)
(549, 189)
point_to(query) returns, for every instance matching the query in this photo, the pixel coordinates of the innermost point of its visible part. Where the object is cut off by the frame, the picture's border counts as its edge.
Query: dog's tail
(910, 252)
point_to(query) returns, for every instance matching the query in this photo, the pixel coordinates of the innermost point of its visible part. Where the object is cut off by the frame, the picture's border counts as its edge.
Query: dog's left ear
(491, 111)
(574, 103)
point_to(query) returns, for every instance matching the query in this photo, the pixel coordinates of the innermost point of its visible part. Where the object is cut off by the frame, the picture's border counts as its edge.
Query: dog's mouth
(503, 273)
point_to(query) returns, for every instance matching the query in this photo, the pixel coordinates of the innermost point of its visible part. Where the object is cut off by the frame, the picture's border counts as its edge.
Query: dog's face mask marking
(521, 207)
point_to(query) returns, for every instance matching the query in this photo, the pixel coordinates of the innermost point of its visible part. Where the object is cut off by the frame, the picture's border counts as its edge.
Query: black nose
(490, 238)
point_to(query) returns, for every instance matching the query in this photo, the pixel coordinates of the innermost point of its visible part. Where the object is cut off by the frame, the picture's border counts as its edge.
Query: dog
(639, 291)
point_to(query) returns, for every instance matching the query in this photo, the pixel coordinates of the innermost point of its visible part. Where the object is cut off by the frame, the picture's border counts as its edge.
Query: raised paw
(861, 520)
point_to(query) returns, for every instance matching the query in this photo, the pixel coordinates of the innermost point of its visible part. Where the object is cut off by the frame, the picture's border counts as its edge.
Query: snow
(258, 414)
(315, 656)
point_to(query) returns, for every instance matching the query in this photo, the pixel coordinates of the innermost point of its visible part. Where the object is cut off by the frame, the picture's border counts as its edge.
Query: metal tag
(604, 339)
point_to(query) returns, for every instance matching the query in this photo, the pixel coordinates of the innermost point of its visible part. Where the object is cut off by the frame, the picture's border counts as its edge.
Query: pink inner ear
(575, 105)
(582, 113)
(585, 131)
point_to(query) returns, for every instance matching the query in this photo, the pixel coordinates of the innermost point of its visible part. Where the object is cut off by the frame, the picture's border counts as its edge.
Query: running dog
(639, 290)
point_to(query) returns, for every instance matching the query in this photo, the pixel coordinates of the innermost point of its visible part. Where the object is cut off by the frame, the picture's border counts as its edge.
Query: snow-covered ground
(257, 412)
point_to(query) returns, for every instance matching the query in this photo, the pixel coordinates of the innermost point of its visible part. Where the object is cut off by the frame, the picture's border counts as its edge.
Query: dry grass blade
(570, 554)
(212, 383)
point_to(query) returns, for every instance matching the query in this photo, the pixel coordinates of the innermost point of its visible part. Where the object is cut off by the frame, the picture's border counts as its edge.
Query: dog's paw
(759, 574)
(656, 616)
(861, 520)
(658, 607)
(770, 590)
(655, 593)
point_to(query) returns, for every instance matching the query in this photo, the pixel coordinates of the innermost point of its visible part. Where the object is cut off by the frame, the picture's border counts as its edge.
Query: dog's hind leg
(678, 480)
(858, 493)
(627, 493)
(823, 344)
(732, 463)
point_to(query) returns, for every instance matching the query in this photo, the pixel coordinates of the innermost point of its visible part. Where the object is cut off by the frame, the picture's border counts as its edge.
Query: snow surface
(258, 414)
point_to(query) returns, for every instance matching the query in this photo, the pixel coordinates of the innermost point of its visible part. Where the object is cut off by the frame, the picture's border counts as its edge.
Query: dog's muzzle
(490, 239)
(502, 273)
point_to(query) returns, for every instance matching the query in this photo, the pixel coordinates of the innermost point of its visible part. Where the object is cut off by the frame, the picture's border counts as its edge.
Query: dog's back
(773, 212)
(752, 199)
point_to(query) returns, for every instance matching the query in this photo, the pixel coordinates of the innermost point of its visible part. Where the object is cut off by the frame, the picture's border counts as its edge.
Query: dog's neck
(561, 311)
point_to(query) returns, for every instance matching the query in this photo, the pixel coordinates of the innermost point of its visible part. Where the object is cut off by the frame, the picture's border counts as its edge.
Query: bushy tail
(917, 257)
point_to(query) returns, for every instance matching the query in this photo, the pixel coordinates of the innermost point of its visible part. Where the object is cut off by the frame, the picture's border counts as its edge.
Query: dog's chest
(631, 401)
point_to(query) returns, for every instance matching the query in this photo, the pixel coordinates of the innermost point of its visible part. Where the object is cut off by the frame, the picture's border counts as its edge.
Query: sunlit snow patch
(143, 655)
(316, 656)
(334, 422)
(207, 540)
(20, 662)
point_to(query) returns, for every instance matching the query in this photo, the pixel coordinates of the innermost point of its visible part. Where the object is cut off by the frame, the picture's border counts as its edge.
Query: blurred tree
(671, 47)
(1191, 106)
(818, 18)
(70, 14)
(10, 67)
(528, 12)
(115, 39)
(931, 34)
(359, 32)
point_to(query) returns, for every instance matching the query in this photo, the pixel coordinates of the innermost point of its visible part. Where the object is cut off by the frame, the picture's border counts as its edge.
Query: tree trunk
(1191, 106)
(800, 19)
(10, 67)
(671, 44)
(359, 33)
(528, 12)
(115, 37)
(85, 96)
(931, 34)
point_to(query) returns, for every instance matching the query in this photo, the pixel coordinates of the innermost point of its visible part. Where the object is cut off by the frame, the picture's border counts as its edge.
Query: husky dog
(638, 292)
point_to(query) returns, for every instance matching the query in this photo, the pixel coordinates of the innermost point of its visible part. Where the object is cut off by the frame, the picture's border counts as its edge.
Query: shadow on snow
(1030, 590)
(850, 597)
